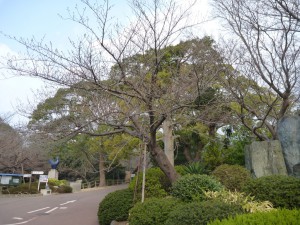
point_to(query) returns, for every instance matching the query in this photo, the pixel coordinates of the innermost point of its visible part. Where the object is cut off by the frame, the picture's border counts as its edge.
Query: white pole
(144, 174)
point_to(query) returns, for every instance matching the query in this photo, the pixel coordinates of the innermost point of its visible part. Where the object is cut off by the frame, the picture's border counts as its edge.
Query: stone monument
(288, 130)
(53, 173)
(264, 158)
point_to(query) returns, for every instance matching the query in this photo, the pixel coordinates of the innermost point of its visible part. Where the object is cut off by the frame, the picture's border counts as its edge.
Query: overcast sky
(40, 18)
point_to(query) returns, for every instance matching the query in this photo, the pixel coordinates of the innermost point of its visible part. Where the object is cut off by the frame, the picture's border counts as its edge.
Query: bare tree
(122, 65)
(16, 155)
(265, 57)
(11, 154)
(288, 8)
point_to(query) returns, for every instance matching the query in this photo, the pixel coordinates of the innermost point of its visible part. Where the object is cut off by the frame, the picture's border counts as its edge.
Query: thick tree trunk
(168, 140)
(102, 181)
(163, 163)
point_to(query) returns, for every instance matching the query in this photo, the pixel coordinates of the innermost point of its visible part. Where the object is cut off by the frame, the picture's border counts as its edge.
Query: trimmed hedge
(192, 187)
(56, 182)
(115, 206)
(157, 184)
(200, 213)
(64, 189)
(153, 211)
(276, 217)
(233, 177)
(282, 191)
(22, 189)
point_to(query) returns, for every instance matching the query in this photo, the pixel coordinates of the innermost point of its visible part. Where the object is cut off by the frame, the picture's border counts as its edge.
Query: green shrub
(157, 184)
(153, 211)
(275, 217)
(233, 177)
(282, 191)
(195, 168)
(180, 169)
(22, 189)
(115, 206)
(200, 213)
(192, 187)
(64, 189)
(56, 182)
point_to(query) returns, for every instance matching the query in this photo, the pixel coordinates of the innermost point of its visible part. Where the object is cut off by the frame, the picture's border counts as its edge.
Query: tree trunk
(168, 140)
(102, 181)
(212, 130)
(187, 154)
(163, 163)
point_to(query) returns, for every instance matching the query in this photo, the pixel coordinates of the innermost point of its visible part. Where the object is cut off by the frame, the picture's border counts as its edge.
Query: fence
(94, 184)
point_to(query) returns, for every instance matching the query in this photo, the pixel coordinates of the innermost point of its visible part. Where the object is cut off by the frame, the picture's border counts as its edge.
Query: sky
(41, 19)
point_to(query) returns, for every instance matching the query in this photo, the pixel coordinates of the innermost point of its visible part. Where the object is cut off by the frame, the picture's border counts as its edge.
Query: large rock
(288, 131)
(265, 158)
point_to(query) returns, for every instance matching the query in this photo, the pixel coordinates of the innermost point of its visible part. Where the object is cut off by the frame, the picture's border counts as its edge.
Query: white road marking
(17, 218)
(21, 222)
(38, 210)
(51, 210)
(68, 202)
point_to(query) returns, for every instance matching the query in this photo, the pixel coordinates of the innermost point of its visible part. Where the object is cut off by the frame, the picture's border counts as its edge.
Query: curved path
(62, 209)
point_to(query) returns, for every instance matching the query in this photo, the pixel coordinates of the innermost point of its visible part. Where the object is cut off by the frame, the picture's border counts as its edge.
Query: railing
(94, 184)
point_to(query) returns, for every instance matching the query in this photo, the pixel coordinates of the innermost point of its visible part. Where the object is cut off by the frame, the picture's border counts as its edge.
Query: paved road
(63, 209)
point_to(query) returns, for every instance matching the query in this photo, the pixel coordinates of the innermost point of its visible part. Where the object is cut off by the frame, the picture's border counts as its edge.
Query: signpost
(42, 179)
(37, 172)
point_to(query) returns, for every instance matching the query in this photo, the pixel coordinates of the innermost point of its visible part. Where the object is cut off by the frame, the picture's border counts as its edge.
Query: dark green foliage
(195, 168)
(237, 140)
(282, 191)
(275, 217)
(157, 184)
(192, 139)
(227, 151)
(64, 189)
(115, 206)
(180, 169)
(233, 177)
(200, 213)
(22, 189)
(209, 96)
(192, 187)
(214, 154)
(153, 211)
(117, 173)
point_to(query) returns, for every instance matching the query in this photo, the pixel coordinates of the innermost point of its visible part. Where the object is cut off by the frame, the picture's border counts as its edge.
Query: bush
(153, 211)
(157, 184)
(276, 217)
(64, 189)
(22, 189)
(115, 206)
(233, 177)
(195, 168)
(246, 202)
(180, 169)
(56, 182)
(282, 191)
(192, 187)
(200, 213)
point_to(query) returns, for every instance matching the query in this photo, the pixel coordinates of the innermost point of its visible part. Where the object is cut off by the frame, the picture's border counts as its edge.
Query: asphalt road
(59, 209)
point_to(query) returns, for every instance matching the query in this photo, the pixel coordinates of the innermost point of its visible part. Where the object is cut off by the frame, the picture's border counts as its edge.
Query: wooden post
(144, 173)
